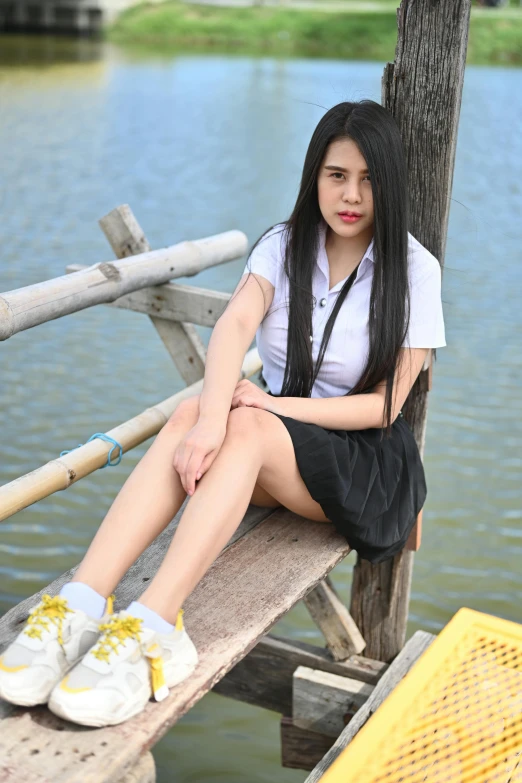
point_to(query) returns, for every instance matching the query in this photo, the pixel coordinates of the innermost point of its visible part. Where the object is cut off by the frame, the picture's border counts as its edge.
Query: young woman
(345, 305)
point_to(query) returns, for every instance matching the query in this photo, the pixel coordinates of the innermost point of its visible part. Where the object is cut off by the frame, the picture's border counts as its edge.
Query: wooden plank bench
(274, 559)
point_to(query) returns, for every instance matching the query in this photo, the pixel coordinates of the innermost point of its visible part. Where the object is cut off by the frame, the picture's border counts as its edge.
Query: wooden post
(423, 91)
(180, 339)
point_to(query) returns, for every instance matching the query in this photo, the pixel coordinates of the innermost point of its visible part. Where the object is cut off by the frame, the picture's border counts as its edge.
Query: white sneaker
(117, 677)
(53, 640)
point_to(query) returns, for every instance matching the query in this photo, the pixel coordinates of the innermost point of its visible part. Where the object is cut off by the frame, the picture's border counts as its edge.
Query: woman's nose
(352, 193)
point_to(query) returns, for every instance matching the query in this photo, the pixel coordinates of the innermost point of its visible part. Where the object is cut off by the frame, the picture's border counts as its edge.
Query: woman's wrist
(213, 415)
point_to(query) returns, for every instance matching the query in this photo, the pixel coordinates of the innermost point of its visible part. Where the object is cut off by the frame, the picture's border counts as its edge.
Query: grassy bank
(495, 37)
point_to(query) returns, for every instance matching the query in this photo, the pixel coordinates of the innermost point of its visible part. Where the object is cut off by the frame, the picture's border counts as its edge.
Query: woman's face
(343, 186)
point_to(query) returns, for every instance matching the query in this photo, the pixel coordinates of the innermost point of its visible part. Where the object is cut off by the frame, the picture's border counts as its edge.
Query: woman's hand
(197, 451)
(247, 394)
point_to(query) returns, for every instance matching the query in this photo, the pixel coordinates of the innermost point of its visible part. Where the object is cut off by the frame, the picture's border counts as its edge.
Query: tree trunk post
(423, 91)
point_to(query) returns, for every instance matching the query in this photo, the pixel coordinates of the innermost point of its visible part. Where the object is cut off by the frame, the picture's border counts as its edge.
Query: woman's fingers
(194, 471)
(180, 462)
(207, 462)
(191, 470)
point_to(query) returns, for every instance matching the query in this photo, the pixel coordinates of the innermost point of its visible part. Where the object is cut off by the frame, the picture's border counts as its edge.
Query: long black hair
(377, 136)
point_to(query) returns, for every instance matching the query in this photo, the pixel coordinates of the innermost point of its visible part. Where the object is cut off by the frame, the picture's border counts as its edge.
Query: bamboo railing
(140, 283)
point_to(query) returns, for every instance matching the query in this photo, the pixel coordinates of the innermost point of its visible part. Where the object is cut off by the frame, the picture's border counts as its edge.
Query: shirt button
(322, 302)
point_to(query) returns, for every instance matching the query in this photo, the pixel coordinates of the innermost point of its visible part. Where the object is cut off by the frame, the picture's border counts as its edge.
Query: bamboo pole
(104, 282)
(423, 91)
(60, 473)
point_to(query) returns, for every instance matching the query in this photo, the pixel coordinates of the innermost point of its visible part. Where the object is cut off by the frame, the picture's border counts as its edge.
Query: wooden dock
(276, 558)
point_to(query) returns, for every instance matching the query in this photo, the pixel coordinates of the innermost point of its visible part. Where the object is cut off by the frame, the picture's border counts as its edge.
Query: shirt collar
(322, 258)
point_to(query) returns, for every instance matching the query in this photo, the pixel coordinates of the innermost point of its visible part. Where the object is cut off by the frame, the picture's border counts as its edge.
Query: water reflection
(199, 145)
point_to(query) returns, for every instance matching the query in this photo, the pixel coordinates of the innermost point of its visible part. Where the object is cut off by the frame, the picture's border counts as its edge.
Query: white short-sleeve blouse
(347, 350)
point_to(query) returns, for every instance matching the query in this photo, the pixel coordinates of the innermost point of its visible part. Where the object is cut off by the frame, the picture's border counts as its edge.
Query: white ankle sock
(81, 596)
(151, 619)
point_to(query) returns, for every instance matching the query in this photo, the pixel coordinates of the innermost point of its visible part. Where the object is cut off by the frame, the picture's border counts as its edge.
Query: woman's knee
(244, 422)
(186, 414)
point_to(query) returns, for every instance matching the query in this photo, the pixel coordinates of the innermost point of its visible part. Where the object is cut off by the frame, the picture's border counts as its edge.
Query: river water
(203, 144)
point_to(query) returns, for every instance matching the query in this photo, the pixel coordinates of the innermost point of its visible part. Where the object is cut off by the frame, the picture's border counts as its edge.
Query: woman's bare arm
(229, 342)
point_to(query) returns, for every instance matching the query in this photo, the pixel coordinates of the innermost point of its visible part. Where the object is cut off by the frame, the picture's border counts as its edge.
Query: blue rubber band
(108, 438)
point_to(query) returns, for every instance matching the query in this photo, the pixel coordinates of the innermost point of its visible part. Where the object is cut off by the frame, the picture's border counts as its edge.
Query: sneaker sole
(98, 720)
(28, 698)
(24, 699)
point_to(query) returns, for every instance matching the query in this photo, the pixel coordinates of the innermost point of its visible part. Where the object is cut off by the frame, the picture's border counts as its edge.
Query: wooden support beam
(185, 347)
(264, 677)
(325, 702)
(172, 301)
(343, 638)
(408, 656)
(181, 339)
(423, 91)
(302, 748)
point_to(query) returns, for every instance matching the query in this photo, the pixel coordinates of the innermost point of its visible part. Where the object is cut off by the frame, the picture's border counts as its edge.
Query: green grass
(495, 35)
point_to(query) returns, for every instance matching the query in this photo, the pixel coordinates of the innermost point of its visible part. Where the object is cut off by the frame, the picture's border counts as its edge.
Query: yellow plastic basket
(455, 718)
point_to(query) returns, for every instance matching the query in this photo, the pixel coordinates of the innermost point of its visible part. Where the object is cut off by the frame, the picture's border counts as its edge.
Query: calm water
(200, 145)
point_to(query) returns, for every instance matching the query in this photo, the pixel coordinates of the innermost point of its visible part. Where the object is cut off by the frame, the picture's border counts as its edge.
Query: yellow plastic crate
(455, 717)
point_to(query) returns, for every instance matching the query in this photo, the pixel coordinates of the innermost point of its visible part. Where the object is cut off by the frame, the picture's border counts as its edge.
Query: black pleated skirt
(372, 489)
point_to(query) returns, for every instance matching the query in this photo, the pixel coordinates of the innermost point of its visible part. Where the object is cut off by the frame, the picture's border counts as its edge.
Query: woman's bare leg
(257, 449)
(149, 499)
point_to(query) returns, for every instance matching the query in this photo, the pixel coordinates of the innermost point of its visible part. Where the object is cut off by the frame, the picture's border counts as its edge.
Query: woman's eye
(337, 174)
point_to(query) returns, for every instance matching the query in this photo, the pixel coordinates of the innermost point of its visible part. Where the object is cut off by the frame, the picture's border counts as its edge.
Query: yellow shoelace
(114, 634)
(49, 611)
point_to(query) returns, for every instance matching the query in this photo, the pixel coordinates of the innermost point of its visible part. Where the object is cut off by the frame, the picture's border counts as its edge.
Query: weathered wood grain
(422, 89)
(249, 587)
(343, 638)
(264, 677)
(301, 748)
(410, 653)
(380, 602)
(325, 702)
